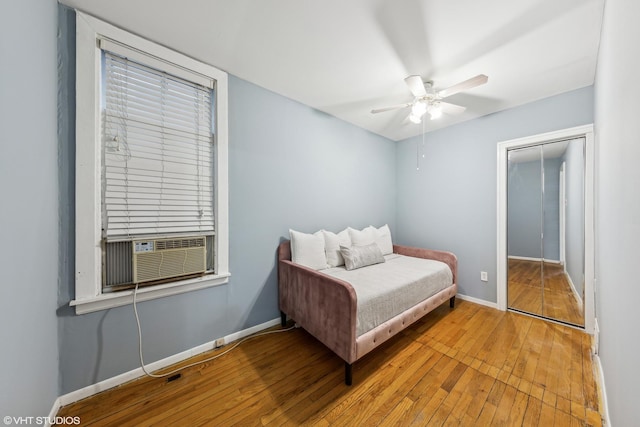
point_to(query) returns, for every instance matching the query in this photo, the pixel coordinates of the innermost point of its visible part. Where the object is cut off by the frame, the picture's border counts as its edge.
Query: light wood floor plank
(486, 416)
(471, 365)
(532, 412)
(543, 290)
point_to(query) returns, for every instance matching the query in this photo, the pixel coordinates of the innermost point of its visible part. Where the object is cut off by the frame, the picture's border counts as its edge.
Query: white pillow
(308, 249)
(381, 236)
(363, 237)
(332, 243)
(383, 239)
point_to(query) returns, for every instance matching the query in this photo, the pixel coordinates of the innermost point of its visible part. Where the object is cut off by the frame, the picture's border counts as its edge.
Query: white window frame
(88, 252)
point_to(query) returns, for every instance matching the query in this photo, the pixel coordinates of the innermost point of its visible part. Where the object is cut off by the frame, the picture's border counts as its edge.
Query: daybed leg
(283, 319)
(452, 301)
(348, 373)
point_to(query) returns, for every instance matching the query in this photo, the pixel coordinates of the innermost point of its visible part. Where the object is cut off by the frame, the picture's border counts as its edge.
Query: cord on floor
(236, 344)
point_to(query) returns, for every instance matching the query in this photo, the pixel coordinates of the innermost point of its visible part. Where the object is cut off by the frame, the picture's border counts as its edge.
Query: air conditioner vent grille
(118, 269)
(195, 242)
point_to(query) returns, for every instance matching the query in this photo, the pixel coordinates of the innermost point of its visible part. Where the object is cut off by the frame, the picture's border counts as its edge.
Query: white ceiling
(345, 57)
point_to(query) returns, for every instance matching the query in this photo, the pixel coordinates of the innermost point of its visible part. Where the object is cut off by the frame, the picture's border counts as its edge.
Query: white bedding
(387, 289)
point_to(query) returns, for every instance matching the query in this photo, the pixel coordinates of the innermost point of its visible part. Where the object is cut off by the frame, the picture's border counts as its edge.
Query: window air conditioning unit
(159, 259)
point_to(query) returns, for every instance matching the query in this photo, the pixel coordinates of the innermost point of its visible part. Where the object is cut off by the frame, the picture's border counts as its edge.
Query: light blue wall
(530, 210)
(290, 166)
(551, 236)
(294, 167)
(618, 208)
(524, 208)
(29, 212)
(450, 203)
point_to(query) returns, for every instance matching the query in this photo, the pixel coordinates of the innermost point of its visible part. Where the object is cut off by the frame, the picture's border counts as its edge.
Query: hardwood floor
(469, 366)
(555, 299)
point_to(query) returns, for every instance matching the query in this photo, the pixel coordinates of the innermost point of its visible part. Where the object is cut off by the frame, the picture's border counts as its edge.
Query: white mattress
(387, 289)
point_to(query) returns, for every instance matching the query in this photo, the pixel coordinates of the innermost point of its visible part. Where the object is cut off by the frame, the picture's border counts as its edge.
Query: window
(151, 169)
(157, 151)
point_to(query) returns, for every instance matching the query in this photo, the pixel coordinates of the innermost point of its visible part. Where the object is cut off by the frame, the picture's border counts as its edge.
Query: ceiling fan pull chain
(423, 147)
(418, 149)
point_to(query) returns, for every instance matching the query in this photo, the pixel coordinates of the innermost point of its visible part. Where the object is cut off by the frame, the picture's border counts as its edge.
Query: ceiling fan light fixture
(418, 109)
(435, 110)
(427, 100)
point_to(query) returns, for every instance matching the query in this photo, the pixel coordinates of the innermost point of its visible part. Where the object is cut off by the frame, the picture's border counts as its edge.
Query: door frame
(585, 132)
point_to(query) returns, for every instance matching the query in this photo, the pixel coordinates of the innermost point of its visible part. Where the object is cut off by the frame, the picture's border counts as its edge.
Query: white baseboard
(54, 411)
(525, 258)
(596, 337)
(103, 385)
(573, 289)
(603, 390)
(477, 301)
(249, 331)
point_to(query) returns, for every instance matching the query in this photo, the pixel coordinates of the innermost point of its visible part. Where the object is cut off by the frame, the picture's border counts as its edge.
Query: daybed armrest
(322, 305)
(447, 257)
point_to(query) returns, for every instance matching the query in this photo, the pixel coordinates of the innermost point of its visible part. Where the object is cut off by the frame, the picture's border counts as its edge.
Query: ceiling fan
(427, 100)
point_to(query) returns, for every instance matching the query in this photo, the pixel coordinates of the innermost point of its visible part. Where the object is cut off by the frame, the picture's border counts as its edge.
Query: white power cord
(236, 344)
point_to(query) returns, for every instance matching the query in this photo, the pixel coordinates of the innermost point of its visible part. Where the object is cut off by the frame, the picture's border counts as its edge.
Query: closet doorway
(545, 226)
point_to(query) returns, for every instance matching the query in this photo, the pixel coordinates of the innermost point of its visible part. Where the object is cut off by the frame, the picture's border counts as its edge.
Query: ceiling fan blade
(478, 80)
(416, 86)
(392, 107)
(452, 108)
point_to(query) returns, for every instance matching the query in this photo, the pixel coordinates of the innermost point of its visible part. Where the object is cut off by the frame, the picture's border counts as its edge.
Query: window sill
(117, 299)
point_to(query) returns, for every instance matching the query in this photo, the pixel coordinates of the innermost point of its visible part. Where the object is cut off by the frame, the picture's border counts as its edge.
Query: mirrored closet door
(545, 230)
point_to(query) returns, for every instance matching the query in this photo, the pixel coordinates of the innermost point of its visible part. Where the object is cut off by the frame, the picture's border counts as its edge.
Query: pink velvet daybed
(326, 306)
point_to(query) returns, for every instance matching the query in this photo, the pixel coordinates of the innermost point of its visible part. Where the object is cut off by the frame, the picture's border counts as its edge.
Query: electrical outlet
(484, 276)
(219, 342)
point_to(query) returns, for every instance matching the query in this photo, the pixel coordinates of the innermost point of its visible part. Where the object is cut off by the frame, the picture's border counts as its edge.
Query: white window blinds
(157, 152)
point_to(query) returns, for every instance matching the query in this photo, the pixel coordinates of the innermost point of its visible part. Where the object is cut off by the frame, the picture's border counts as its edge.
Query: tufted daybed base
(326, 307)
